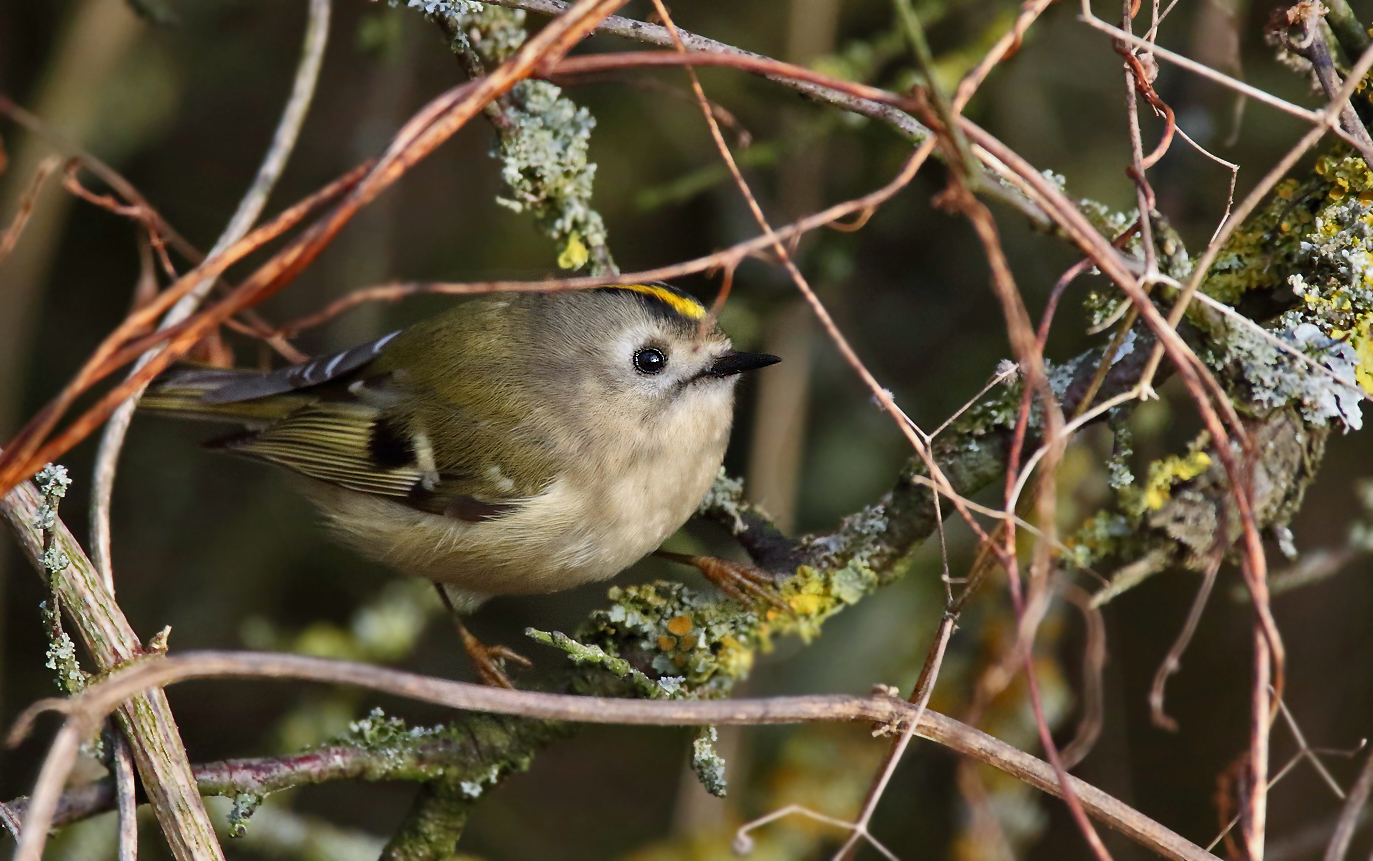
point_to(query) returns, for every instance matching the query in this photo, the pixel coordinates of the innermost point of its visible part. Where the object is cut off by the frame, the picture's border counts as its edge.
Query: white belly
(605, 513)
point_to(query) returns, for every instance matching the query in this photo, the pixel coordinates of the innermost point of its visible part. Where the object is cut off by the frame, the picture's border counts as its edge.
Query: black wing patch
(348, 444)
(389, 445)
(320, 369)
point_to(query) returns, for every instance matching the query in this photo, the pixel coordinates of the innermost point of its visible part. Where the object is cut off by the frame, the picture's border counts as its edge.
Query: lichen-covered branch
(1309, 236)
(1306, 243)
(544, 136)
(1306, 263)
(146, 719)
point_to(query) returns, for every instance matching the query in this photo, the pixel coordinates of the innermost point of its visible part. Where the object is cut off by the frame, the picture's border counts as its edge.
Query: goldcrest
(518, 443)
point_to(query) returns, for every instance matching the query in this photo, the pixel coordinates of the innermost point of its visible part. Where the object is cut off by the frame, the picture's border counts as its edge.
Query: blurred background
(225, 554)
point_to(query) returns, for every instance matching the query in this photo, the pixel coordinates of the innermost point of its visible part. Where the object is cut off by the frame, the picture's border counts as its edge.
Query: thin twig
(88, 708)
(126, 801)
(1349, 814)
(146, 719)
(1315, 117)
(249, 209)
(1308, 753)
(1173, 660)
(1317, 51)
(10, 237)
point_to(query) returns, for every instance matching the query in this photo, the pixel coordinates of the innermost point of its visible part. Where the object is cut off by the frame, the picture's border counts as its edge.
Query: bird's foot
(744, 583)
(489, 661)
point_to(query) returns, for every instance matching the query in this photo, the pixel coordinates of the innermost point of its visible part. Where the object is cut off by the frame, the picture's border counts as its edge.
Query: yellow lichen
(806, 605)
(1165, 473)
(575, 253)
(735, 659)
(1363, 349)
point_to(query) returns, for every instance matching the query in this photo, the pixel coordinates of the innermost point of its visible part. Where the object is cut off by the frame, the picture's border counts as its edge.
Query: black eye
(650, 360)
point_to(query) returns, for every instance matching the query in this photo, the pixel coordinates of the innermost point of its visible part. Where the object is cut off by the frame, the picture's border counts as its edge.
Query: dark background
(218, 548)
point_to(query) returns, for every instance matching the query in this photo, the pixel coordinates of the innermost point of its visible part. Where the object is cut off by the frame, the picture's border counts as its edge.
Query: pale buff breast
(608, 510)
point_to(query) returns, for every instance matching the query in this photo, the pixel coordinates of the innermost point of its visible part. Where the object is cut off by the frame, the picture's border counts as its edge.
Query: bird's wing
(348, 437)
(321, 369)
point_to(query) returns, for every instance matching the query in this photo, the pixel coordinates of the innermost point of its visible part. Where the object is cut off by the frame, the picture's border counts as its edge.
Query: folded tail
(189, 391)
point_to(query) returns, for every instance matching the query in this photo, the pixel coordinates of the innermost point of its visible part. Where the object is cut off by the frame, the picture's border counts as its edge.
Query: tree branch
(146, 718)
(400, 754)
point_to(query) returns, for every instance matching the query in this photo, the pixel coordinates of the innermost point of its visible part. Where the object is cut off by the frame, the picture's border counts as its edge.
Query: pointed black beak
(734, 362)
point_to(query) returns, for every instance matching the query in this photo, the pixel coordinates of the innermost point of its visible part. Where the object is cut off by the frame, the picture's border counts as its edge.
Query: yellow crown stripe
(689, 308)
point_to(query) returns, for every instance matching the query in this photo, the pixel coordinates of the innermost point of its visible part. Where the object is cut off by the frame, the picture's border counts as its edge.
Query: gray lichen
(1119, 474)
(544, 138)
(581, 653)
(1275, 378)
(707, 763)
(546, 167)
(61, 654)
(53, 481)
(725, 497)
(245, 805)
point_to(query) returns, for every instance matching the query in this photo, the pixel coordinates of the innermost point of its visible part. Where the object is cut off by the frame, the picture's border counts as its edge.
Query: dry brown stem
(145, 718)
(89, 707)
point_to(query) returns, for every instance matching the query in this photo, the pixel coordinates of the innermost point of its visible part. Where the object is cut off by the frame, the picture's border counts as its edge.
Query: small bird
(518, 443)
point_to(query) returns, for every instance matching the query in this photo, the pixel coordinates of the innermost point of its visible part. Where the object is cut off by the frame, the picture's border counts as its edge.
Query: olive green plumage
(515, 443)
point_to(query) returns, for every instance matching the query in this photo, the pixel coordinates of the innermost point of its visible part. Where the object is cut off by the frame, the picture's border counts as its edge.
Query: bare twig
(156, 672)
(1315, 117)
(1349, 814)
(249, 209)
(10, 237)
(125, 801)
(1173, 660)
(146, 718)
(1314, 48)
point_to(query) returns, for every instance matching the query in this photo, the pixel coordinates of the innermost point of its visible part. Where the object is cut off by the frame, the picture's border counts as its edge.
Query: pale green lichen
(707, 763)
(858, 537)
(61, 654)
(245, 805)
(1317, 239)
(544, 137)
(994, 413)
(843, 570)
(725, 497)
(55, 559)
(52, 481)
(545, 164)
(707, 642)
(444, 7)
(1104, 534)
(1274, 378)
(582, 653)
(1119, 474)
(1108, 222)
(1320, 229)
